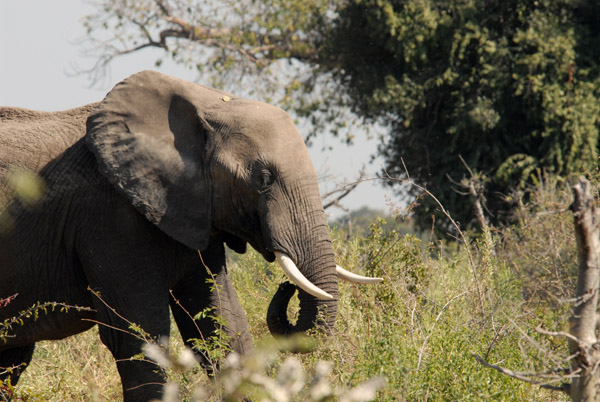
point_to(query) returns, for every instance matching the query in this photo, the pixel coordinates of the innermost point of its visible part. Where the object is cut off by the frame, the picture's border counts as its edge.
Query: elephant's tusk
(296, 276)
(351, 277)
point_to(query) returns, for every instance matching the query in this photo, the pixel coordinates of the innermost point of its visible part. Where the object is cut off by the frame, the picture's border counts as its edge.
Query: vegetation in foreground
(440, 304)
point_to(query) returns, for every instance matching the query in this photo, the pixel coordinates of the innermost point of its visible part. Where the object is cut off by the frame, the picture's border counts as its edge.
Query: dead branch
(343, 191)
(567, 335)
(584, 319)
(584, 347)
(474, 186)
(551, 376)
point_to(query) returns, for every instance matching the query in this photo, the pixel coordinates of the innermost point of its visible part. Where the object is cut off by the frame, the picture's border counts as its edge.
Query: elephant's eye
(267, 179)
(263, 179)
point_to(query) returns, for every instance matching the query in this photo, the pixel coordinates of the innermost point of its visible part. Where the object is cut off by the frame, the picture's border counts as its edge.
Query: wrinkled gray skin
(163, 168)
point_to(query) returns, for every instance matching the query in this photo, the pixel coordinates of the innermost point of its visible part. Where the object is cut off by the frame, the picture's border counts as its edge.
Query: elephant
(141, 193)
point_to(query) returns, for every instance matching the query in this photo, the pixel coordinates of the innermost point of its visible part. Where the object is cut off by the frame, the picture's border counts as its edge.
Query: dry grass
(79, 368)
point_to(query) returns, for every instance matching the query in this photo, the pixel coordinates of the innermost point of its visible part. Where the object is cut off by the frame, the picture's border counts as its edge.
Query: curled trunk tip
(314, 313)
(277, 319)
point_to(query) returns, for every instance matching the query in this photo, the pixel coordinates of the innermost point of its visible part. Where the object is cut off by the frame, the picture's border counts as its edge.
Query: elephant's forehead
(264, 123)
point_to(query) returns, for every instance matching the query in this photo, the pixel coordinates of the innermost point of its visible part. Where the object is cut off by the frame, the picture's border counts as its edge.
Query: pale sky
(39, 49)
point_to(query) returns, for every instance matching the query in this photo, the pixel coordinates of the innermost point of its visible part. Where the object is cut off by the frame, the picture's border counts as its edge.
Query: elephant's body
(29, 141)
(136, 187)
(55, 252)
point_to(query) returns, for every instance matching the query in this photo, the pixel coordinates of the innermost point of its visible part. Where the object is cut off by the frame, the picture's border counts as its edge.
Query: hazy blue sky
(39, 49)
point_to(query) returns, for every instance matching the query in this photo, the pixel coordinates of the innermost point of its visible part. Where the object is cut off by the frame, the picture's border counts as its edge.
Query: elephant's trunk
(319, 268)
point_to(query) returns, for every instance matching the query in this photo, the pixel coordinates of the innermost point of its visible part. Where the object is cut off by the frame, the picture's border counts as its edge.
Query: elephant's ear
(151, 141)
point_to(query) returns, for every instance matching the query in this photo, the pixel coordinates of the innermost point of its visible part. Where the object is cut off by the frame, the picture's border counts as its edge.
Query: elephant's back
(30, 139)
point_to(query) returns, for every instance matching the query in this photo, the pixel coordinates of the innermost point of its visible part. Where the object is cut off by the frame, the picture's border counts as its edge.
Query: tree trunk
(585, 387)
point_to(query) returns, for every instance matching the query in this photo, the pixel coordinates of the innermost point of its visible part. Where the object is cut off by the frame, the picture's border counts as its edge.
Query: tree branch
(344, 190)
(254, 43)
(567, 335)
(583, 338)
(526, 377)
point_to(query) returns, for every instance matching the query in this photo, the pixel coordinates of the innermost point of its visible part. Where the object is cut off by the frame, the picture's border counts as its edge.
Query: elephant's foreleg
(129, 316)
(13, 362)
(125, 326)
(142, 380)
(208, 290)
(127, 264)
(130, 312)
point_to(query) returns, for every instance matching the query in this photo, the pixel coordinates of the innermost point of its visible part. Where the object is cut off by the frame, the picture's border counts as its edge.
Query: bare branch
(158, 21)
(344, 190)
(163, 7)
(466, 165)
(552, 376)
(560, 333)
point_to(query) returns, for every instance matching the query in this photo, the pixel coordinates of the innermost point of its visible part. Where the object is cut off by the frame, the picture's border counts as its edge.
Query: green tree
(509, 86)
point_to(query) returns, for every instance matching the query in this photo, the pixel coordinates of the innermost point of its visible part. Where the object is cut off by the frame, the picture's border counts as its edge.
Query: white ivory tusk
(292, 271)
(351, 277)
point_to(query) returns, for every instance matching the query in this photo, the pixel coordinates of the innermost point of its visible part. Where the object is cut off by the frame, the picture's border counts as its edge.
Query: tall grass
(420, 328)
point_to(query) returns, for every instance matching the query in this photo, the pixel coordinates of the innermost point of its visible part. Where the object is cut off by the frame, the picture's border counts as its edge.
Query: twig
(564, 387)
(567, 335)
(97, 294)
(7, 300)
(345, 190)
(405, 169)
(125, 331)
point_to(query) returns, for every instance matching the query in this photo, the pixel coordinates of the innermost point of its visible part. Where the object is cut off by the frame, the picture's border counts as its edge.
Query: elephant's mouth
(238, 245)
(268, 255)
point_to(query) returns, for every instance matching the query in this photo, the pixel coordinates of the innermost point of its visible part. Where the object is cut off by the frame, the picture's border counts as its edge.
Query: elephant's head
(198, 162)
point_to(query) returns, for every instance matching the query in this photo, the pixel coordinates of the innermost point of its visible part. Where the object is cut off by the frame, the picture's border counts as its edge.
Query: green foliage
(510, 86)
(215, 346)
(32, 313)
